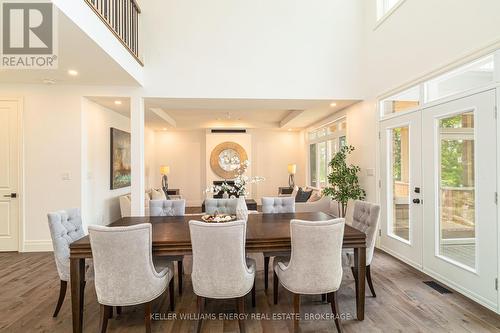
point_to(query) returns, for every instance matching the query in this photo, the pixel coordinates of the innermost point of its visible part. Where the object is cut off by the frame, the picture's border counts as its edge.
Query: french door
(9, 175)
(401, 213)
(460, 185)
(439, 190)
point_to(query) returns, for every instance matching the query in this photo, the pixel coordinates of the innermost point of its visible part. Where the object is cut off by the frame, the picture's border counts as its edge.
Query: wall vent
(229, 131)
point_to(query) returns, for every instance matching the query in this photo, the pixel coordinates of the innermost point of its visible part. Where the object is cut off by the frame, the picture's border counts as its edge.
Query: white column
(137, 158)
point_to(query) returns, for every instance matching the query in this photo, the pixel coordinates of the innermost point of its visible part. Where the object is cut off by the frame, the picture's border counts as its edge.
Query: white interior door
(9, 175)
(401, 211)
(460, 213)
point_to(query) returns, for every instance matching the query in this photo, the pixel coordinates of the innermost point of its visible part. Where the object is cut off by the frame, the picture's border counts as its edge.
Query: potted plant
(343, 180)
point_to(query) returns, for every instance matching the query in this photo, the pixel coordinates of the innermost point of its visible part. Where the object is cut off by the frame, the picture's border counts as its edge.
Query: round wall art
(226, 158)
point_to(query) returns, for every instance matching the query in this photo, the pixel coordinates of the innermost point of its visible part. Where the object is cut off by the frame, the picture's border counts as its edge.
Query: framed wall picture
(120, 159)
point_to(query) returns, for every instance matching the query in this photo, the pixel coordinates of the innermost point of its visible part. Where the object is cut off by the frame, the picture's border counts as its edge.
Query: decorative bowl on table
(218, 218)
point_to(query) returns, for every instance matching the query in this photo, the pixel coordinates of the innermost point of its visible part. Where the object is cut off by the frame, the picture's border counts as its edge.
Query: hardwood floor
(29, 288)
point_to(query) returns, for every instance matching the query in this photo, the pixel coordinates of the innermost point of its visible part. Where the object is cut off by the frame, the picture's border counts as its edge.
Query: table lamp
(164, 171)
(292, 169)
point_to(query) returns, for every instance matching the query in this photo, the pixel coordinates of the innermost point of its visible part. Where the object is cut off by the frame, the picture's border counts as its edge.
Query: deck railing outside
(122, 18)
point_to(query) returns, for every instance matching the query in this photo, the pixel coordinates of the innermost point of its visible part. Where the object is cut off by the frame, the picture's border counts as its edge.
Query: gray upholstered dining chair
(363, 216)
(167, 207)
(273, 205)
(221, 271)
(278, 205)
(124, 270)
(170, 208)
(65, 227)
(222, 206)
(315, 266)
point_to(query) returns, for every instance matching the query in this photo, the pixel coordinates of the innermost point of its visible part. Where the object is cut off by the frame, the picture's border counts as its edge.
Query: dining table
(265, 233)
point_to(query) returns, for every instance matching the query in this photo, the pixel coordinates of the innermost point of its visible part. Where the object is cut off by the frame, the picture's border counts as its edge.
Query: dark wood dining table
(265, 232)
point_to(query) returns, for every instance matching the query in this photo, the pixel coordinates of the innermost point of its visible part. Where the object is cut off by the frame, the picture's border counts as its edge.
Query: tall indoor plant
(343, 180)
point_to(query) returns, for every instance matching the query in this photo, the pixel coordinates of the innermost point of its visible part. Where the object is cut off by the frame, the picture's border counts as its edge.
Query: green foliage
(343, 180)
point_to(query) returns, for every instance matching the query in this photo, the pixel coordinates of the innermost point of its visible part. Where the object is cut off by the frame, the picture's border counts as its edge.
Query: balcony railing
(122, 18)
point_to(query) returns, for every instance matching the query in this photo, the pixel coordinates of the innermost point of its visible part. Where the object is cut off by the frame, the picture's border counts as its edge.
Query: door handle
(12, 195)
(416, 201)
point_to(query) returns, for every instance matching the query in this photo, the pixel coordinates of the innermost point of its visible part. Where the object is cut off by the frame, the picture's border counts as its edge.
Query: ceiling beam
(290, 116)
(164, 115)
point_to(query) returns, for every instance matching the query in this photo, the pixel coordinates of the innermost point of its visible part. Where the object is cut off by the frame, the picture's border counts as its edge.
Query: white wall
(423, 35)
(100, 204)
(252, 49)
(184, 152)
(272, 151)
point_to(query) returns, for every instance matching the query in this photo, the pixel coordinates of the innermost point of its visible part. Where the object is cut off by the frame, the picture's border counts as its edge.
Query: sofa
(126, 202)
(321, 204)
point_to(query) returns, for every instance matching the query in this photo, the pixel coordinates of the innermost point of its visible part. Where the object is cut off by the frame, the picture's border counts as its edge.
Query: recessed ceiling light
(72, 72)
(164, 128)
(118, 102)
(289, 130)
(333, 104)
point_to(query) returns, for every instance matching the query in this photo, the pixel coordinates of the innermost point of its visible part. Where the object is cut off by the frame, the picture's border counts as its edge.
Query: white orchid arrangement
(241, 181)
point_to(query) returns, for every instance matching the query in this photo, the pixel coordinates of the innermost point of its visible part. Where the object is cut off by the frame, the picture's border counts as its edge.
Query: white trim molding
(37, 246)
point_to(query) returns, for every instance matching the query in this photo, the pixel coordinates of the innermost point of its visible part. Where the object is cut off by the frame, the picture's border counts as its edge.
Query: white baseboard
(37, 246)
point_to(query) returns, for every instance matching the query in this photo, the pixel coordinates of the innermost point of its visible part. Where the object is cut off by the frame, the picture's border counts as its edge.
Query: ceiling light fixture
(118, 102)
(164, 128)
(49, 81)
(72, 72)
(333, 104)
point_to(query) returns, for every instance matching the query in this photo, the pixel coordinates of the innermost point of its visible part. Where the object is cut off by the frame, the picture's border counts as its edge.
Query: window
(402, 101)
(476, 74)
(385, 6)
(472, 75)
(324, 143)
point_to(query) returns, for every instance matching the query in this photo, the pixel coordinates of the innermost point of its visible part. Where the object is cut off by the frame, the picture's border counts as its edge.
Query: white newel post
(137, 158)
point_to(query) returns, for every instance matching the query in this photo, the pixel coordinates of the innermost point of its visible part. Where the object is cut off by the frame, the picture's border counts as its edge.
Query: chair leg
(275, 287)
(147, 316)
(335, 310)
(323, 298)
(253, 294)
(171, 291)
(240, 305)
(266, 272)
(180, 274)
(118, 310)
(296, 311)
(62, 293)
(104, 316)
(201, 308)
(355, 275)
(369, 279)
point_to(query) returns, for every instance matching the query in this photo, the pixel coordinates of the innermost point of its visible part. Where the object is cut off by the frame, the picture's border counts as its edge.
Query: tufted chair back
(365, 216)
(65, 228)
(221, 206)
(167, 207)
(315, 266)
(123, 265)
(219, 265)
(278, 205)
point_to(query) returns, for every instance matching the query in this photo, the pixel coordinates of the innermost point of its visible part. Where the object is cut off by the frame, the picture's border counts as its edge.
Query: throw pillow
(315, 196)
(302, 196)
(158, 194)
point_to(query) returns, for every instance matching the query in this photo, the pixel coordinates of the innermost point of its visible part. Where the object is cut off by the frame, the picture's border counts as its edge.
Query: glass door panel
(457, 236)
(400, 159)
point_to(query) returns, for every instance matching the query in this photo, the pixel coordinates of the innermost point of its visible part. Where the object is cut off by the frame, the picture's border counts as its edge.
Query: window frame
(335, 138)
(382, 13)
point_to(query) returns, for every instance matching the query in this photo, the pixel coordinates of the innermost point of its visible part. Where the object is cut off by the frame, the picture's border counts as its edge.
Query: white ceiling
(78, 52)
(229, 113)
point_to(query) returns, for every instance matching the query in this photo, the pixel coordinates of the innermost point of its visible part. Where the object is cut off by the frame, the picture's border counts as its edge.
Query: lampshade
(164, 170)
(292, 169)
